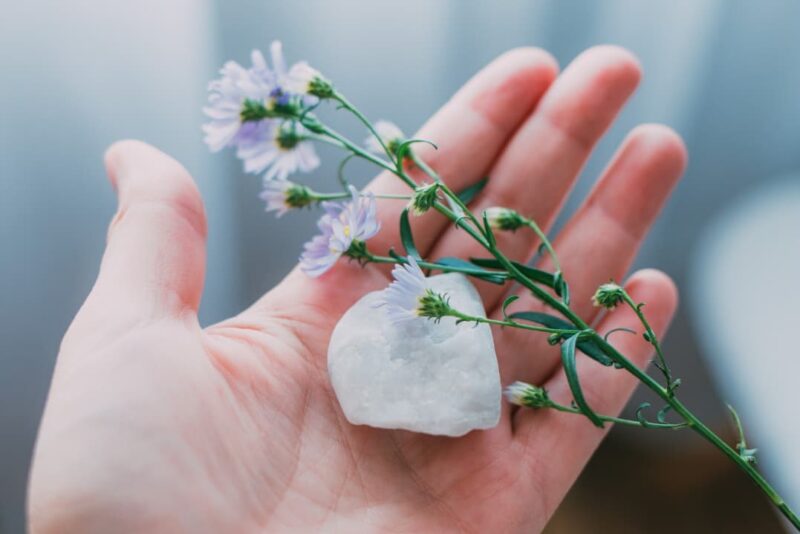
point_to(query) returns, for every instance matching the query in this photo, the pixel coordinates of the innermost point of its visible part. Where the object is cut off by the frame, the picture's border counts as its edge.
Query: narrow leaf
(468, 194)
(470, 269)
(534, 274)
(588, 346)
(406, 237)
(507, 302)
(571, 371)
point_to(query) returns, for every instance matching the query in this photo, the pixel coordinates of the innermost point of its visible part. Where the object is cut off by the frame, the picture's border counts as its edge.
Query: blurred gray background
(78, 75)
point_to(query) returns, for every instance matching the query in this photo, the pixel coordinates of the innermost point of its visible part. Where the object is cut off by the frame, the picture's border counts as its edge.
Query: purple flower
(243, 105)
(226, 98)
(342, 225)
(402, 298)
(410, 296)
(280, 148)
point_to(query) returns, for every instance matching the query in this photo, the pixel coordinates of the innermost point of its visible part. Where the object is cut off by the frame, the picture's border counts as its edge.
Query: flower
(524, 394)
(391, 135)
(280, 148)
(409, 295)
(283, 195)
(304, 79)
(608, 295)
(227, 97)
(344, 227)
(504, 218)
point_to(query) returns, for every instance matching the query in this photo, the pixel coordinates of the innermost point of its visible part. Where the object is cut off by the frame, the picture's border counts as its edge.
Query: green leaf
(593, 350)
(487, 229)
(543, 319)
(468, 194)
(508, 302)
(406, 237)
(587, 346)
(560, 286)
(471, 270)
(571, 370)
(534, 274)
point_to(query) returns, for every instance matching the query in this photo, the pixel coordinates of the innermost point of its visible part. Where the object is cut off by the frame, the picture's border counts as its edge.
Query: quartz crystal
(420, 375)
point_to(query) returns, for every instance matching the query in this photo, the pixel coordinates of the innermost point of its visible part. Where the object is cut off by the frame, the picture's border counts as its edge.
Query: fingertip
(614, 61)
(656, 289)
(140, 172)
(531, 59)
(662, 143)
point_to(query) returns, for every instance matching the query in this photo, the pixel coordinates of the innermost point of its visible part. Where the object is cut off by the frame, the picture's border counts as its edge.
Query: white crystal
(437, 378)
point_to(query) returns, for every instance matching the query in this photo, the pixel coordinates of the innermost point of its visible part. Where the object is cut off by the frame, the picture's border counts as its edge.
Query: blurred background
(78, 75)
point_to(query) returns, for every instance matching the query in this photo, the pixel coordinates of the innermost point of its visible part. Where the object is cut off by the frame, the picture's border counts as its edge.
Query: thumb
(154, 262)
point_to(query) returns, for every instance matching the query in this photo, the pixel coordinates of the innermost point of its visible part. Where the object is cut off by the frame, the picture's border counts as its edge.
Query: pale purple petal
(401, 299)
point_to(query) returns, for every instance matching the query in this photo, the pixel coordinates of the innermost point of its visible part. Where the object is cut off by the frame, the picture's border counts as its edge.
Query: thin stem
(507, 322)
(653, 339)
(363, 119)
(618, 420)
(320, 197)
(419, 162)
(530, 223)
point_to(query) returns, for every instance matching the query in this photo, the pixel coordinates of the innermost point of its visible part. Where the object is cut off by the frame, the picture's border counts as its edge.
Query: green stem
(695, 424)
(530, 223)
(363, 119)
(653, 339)
(321, 197)
(507, 322)
(617, 420)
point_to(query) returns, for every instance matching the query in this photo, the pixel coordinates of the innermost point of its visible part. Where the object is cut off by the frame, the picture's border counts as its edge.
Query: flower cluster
(256, 109)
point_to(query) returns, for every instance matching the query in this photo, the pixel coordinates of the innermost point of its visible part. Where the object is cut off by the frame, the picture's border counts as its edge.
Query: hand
(156, 424)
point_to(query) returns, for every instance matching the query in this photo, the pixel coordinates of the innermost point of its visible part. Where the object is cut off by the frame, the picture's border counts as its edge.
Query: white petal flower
(279, 148)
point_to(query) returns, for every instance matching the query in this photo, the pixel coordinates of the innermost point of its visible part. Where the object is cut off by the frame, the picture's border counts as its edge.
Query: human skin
(154, 423)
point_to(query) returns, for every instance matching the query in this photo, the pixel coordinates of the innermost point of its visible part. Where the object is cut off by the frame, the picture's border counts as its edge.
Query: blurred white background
(78, 75)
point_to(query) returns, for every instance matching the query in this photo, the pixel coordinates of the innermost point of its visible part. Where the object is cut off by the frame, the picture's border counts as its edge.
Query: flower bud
(504, 219)
(608, 295)
(305, 79)
(524, 394)
(424, 198)
(390, 135)
(433, 305)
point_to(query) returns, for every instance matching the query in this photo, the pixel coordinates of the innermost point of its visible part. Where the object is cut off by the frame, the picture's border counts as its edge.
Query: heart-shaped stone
(420, 375)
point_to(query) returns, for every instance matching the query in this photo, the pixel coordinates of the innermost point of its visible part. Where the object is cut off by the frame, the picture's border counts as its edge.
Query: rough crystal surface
(437, 378)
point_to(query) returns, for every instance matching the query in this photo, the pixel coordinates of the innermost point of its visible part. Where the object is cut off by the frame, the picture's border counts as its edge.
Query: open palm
(156, 424)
